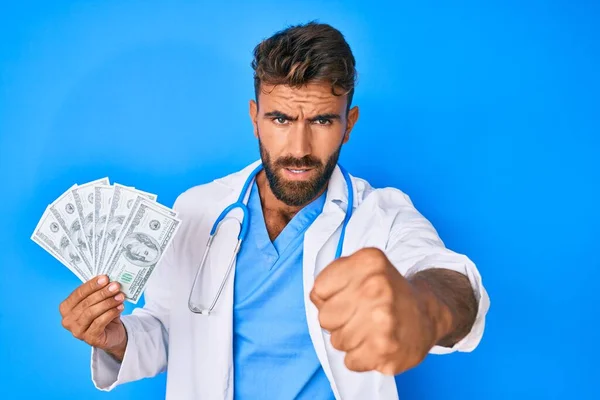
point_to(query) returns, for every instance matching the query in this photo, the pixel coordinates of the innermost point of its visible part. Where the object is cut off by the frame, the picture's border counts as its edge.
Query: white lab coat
(197, 349)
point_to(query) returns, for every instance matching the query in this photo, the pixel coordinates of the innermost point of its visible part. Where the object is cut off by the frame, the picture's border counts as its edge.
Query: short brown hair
(303, 54)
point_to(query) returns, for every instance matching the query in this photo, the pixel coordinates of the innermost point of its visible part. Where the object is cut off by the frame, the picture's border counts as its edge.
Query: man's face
(141, 252)
(300, 133)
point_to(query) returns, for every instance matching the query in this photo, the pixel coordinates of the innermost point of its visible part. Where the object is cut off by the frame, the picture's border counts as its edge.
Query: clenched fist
(92, 314)
(375, 315)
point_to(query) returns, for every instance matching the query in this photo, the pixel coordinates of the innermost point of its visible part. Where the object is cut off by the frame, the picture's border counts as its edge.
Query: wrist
(436, 311)
(118, 351)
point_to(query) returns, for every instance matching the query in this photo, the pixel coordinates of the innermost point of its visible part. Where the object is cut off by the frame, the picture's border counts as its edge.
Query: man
(291, 321)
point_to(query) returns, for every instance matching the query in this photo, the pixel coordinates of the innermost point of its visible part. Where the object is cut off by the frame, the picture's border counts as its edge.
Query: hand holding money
(114, 230)
(92, 314)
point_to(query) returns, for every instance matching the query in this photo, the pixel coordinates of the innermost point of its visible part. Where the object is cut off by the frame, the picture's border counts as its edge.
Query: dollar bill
(121, 207)
(84, 204)
(131, 215)
(145, 238)
(65, 212)
(102, 199)
(51, 237)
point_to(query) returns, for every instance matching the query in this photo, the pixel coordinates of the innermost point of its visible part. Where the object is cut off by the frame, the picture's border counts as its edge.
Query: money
(137, 202)
(123, 199)
(66, 215)
(84, 204)
(97, 228)
(145, 238)
(50, 235)
(102, 199)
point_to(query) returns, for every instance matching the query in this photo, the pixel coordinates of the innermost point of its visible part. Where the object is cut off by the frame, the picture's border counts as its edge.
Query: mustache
(292, 162)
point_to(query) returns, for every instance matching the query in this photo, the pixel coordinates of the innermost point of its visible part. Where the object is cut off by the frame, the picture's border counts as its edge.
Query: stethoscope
(194, 303)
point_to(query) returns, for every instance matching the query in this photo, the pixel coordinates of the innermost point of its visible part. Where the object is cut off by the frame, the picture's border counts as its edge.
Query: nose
(299, 140)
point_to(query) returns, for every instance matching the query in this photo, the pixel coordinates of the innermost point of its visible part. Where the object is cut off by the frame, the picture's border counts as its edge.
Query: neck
(277, 214)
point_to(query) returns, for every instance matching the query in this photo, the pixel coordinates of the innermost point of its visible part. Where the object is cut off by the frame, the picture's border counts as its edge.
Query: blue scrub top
(274, 357)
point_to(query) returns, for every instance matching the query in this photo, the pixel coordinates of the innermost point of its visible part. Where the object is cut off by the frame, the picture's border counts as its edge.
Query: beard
(297, 193)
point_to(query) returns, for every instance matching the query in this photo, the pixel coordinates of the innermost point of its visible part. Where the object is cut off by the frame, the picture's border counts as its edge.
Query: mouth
(297, 173)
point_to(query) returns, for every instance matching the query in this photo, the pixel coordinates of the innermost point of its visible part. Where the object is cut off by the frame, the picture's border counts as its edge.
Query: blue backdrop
(486, 114)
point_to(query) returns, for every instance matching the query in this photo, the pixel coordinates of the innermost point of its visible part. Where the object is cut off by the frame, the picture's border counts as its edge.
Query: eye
(279, 120)
(323, 121)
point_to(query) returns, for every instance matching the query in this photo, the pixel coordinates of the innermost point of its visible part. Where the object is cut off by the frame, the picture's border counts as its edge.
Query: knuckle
(373, 287)
(390, 368)
(79, 292)
(87, 314)
(337, 341)
(109, 305)
(353, 363)
(323, 319)
(113, 312)
(107, 316)
(319, 285)
(91, 332)
(85, 304)
(348, 362)
(383, 317)
(381, 345)
(62, 308)
(78, 332)
(373, 254)
(378, 286)
(387, 292)
(314, 298)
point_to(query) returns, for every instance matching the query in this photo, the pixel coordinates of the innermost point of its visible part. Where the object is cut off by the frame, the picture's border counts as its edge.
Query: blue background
(487, 114)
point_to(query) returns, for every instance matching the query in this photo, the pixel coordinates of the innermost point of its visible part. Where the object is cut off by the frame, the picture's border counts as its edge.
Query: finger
(90, 314)
(95, 298)
(359, 360)
(99, 324)
(338, 310)
(82, 292)
(349, 271)
(317, 301)
(390, 368)
(351, 335)
(334, 278)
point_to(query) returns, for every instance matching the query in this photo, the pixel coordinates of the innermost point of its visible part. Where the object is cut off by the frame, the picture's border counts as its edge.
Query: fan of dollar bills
(98, 228)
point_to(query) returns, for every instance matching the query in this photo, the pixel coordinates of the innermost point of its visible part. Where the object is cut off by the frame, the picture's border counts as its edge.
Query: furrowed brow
(279, 114)
(326, 116)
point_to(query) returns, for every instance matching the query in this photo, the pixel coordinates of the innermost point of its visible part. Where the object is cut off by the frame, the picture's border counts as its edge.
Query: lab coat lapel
(212, 335)
(320, 243)
(214, 348)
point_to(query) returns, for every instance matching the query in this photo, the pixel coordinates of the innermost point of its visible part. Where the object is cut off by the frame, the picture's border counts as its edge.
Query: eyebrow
(279, 114)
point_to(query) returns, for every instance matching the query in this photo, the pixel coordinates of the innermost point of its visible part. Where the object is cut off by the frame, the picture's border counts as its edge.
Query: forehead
(310, 97)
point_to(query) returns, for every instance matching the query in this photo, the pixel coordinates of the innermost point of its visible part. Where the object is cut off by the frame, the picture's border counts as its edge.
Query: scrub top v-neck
(274, 357)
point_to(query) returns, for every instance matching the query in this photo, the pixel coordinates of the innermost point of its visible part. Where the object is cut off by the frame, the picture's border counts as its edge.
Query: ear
(253, 111)
(350, 121)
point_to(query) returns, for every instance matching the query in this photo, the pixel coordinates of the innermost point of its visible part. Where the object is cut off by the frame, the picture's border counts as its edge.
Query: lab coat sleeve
(147, 333)
(414, 245)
